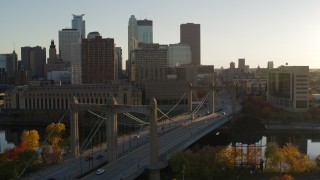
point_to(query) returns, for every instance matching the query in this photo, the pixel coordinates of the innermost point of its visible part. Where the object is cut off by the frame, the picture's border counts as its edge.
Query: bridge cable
(134, 118)
(89, 139)
(184, 94)
(199, 105)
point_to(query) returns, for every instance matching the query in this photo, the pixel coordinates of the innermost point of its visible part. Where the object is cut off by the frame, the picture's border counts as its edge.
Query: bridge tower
(74, 129)
(211, 99)
(190, 98)
(234, 98)
(155, 165)
(112, 131)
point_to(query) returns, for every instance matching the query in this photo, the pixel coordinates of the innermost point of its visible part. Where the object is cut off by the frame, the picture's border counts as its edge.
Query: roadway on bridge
(132, 165)
(77, 166)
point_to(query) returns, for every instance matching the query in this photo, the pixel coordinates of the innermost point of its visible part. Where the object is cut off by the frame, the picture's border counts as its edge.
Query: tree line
(230, 162)
(30, 155)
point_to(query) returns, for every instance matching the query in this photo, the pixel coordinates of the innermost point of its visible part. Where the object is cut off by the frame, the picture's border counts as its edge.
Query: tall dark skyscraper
(34, 59)
(190, 34)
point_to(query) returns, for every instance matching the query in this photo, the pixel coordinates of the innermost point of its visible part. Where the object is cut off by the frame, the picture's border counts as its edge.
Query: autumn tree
(30, 139)
(317, 160)
(296, 161)
(55, 134)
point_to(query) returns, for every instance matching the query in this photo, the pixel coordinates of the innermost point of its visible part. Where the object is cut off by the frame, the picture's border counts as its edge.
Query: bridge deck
(134, 164)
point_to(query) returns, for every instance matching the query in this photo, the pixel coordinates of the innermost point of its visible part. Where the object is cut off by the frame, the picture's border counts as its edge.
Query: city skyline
(282, 32)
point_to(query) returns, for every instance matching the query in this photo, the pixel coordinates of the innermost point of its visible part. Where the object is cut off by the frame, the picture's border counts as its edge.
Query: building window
(301, 104)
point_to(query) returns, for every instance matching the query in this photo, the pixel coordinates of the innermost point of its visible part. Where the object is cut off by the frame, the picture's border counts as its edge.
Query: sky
(282, 31)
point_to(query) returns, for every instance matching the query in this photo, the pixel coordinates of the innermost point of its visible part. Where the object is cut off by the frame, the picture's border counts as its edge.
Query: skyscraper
(25, 57)
(99, 60)
(37, 61)
(190, 34)
(33, 59)
(242, 65)
(270, 64)
(119, 57)
(8, 66)
(132, 35)
(145, 32)
(53, 62)
(70, 51)
(150, 63)
(178, 54)
(79, 24)
(232, 65)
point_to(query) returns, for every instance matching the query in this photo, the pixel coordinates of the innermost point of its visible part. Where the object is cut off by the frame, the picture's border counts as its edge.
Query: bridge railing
(180, 146)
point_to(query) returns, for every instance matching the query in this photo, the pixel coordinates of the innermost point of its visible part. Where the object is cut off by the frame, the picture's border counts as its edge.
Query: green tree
(177, 162)
(8, 169)
(272, 157)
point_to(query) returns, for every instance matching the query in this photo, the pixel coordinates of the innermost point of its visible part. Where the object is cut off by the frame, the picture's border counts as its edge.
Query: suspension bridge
(148, 148)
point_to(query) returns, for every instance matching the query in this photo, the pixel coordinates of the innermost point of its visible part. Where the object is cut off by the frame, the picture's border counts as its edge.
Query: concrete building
(22, 77)
(70, 51)
(288, 88)
(232, 65)
(145, 32)
(241, 65)
(25, 57)
(190, 34)
(205, 74)
(99, 60)
(8, 66)
(60, 76)
(79, 24)
(93, 35)
(53, 62)
(178, 54)
(46, 95)
(34, 59)
(187, 73)
(270, 64)
(166, 92)
(150, 63)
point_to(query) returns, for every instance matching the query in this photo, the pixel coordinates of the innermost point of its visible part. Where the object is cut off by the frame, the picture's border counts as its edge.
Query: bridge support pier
(112, 133)
(74, 129)
(234, 108)
(154, 167)
(211, 99)
(190, 98)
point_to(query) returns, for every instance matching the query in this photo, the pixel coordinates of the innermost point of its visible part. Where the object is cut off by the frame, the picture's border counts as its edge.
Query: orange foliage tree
(30, 139)
(55, 133)
(295, 161)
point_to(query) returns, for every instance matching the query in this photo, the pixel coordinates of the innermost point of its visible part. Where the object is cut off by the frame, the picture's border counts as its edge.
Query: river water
(9, 138)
